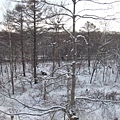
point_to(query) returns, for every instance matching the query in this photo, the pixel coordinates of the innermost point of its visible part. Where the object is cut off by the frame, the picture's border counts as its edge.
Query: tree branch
(102, 3)
(61, 6)
(97, 100)
(34, 114)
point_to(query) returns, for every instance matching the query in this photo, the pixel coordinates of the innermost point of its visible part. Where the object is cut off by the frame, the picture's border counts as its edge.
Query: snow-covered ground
(98, 100)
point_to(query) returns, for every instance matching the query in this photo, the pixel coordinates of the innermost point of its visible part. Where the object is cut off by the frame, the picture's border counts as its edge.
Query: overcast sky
(109, 11)
(113, 12)
(4, 4)
(1, 9)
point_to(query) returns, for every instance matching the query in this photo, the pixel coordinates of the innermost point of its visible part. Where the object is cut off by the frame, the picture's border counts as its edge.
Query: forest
(50, 70)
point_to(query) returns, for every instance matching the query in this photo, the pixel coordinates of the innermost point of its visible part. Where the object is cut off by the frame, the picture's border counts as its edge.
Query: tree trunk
(11, 63)
(22, 45)
(35, 51)
(89, 51)
(74, 59)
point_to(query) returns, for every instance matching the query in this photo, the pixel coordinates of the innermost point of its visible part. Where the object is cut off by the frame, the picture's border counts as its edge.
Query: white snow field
(47, 100)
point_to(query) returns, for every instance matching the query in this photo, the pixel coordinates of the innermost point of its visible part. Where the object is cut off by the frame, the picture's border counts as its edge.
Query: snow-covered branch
(38, 109)
(31, 114)
(102, 3)
(97, 100)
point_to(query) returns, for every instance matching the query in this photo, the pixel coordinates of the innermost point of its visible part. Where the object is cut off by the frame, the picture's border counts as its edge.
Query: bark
(22, 45)
(11, 63)
(35, 53)
(74, 59)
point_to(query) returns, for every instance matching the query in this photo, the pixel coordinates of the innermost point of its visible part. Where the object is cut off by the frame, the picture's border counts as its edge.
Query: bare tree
(35, 15)
(20, 8)
(11, 57)
(16, 18)
(72, 14)
(89, 27)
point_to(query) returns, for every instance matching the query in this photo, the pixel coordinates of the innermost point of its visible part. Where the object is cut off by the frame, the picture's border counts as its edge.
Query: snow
(98, 100)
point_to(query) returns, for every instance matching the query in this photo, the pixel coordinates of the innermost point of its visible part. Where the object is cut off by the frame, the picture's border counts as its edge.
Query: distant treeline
(58, 46)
